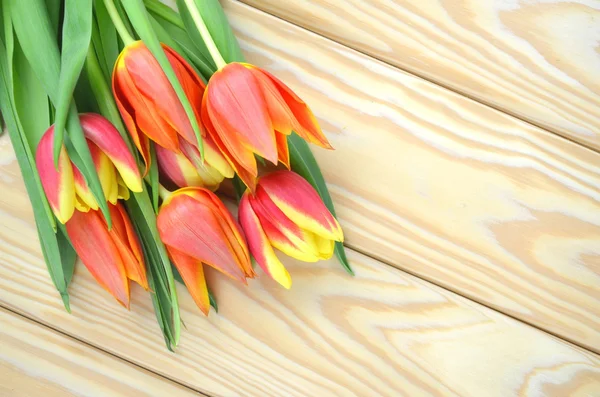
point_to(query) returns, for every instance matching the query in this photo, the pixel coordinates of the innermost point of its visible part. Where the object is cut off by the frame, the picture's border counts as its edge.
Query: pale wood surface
(539, 60)
(428, 181)
(444, 187)
(382, 333)
(37, 361)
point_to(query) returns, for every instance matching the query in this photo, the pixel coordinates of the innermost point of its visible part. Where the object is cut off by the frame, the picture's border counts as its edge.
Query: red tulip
(112, 256)
(248, 111)
(66, 188)
(148, 103)
(287, 213)
(197, 229)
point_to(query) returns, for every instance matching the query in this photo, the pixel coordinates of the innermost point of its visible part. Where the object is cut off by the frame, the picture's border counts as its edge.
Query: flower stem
(208, 40)
(118, 22)
(163, 192)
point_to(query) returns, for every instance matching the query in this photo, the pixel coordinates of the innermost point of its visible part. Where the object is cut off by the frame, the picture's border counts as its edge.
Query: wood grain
(437, 184)
(538, 60)
(381, 333)
(38, 361)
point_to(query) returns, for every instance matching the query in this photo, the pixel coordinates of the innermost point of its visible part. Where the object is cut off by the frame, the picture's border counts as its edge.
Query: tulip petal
(142, 108)
(128, 113)
(85, 198)
(301, 203)
(166, 117)
(283, 234)
(246, 170)
(193, 87)
(58, 183)
(259, 244)
(100, 131)
(192, 273)
(239, 112)
(210, 176)
(283, 151)
(229, 226)
(281, 116)
(128, 245)
(106, 173)
(194, 229)
(304, 122)
(90, 239)
(177, 168)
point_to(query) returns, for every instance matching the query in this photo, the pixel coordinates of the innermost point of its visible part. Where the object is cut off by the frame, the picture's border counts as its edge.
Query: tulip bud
(248, 111)
(148, 103)
(197, 229)
(66, 188)
(287, 213)
(111, 256)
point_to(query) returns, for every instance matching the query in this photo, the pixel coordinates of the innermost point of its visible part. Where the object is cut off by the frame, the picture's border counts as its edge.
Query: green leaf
(143, 217)
(179, 41)
(139, 18)
(238, 187)
(107, 40)
(32, 25)
(303, 162)
(47, 236)
(30, 99)
(218, 26)
(153, 176)
(54, 7)
(77, 33)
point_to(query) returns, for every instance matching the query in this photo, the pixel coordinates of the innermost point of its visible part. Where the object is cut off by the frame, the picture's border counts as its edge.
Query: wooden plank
(38, 361)
(383, 332)
(537, 60)
(460, 194)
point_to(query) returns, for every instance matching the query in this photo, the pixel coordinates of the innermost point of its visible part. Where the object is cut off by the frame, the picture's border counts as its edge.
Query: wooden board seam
(100, 349)
(424, 78)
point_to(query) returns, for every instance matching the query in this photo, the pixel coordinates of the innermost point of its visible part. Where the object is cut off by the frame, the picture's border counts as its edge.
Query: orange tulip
(148, 103)
(248, 111)
(112, 256)
(66, 188)
(287, 213)
(197, 229)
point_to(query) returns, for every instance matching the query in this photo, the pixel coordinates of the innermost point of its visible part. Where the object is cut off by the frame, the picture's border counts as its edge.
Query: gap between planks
(97, 348)
(423, 77)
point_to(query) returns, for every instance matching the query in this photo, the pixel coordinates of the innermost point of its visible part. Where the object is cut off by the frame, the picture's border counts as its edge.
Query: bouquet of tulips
(126, 117)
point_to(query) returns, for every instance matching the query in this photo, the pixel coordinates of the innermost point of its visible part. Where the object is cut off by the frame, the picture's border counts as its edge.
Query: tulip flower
(197, 229)
(65, 186)
(248, 111)
(112, 256)
(148, 103)
(287, 213)
(186, 169)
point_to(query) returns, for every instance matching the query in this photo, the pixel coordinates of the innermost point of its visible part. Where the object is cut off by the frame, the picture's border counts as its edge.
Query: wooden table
(466, 177)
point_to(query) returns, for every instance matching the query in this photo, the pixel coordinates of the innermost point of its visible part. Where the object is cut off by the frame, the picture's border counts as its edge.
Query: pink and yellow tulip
(66, 188)
(287, 213)
(197, 229)
(248, 111)
(112, 256)
(186, 168)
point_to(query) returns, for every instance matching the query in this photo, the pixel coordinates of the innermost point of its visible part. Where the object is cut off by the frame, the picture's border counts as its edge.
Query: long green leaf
(48, 239)
(32, 25)
(218, 26)
(77, 33)
(139, 18)
(54, 8)
(107, 37)
(303, 162)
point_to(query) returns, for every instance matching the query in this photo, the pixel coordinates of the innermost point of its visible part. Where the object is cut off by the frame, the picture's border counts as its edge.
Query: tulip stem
(118, 22)
(203, 29)
(163, 192)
